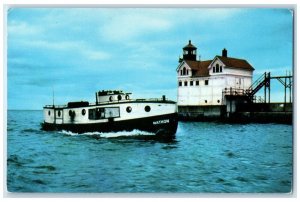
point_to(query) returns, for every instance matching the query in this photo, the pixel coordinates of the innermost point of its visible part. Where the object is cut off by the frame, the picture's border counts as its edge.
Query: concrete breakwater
(242, 113)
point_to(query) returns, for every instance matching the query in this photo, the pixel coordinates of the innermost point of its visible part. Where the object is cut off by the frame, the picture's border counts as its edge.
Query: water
(204, 158)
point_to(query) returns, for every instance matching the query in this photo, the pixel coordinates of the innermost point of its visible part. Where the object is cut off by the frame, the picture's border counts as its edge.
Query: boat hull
(163, 126)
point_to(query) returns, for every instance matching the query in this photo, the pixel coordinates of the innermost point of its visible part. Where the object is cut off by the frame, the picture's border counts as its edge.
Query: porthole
(119, 97)
(147, 108)
(83, 112)
(128, 109)
(127, 97)
(49, 112)
(205, 101)
(71, 113)
(110, 98)
(218, 101)
(58, 113)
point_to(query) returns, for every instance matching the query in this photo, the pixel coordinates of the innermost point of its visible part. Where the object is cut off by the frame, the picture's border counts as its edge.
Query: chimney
(224, 53)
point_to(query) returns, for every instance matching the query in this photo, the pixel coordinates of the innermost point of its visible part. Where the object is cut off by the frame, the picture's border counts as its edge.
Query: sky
(75, 52)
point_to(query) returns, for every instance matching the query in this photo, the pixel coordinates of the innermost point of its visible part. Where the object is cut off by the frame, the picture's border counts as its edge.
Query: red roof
(199, 68)
(235, 62)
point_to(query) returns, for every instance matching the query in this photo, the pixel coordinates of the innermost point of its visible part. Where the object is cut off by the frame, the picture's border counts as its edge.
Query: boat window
(58, 113)
(83, 112)
(110, 98)
(104, 113)
(119, 97)
(128, 109)
(112, 112)
(147, 108)
(49, 112)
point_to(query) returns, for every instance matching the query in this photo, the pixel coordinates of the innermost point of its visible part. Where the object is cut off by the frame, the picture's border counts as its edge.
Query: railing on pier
(263, 81)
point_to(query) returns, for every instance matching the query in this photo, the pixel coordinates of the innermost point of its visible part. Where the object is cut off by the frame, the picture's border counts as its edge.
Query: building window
(206, 82)
(185, 83)
(180, 83)
(183, 71)
(187, 72)
(191, 83)
(197, 83)
(220, 68)
(217, 67)
(214, 69)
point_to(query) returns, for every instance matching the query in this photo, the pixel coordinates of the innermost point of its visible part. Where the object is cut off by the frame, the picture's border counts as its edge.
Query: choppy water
(204, 158)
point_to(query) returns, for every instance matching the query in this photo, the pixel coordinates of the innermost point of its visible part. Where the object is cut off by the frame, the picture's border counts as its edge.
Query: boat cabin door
(58, 116)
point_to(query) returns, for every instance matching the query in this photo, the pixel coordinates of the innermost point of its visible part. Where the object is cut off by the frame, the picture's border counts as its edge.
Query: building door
(238, 82)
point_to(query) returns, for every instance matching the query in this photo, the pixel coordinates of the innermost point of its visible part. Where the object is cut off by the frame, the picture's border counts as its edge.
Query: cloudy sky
(76, 52)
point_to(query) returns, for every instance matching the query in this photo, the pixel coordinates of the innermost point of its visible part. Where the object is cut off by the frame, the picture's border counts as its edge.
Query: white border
(145, 3)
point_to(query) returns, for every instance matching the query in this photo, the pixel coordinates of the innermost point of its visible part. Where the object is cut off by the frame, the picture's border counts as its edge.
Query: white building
(200, 83)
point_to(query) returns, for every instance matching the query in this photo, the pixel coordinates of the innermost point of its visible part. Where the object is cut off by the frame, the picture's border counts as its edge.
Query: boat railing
(163, 99)
(55, 106)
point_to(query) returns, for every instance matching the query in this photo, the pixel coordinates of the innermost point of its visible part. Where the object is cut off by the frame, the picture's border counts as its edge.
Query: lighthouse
(201, 83)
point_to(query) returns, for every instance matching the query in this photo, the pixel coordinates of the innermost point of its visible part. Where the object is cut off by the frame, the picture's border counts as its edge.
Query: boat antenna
(53, 95)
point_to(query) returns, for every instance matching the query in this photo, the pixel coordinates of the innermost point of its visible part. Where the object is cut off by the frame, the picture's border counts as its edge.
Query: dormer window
(220, 68)
(217, 68)
(183, 71)
(214, 69)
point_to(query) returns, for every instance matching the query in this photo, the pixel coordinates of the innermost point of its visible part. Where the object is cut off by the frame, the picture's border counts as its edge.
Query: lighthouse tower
(189, 52)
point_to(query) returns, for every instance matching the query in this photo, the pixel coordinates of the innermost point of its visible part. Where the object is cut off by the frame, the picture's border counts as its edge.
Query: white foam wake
(134, 132)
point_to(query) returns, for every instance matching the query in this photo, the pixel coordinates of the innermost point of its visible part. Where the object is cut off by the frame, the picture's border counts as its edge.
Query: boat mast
(53, 105)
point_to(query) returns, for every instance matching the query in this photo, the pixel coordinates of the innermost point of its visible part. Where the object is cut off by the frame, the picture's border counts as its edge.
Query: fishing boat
(113, 111)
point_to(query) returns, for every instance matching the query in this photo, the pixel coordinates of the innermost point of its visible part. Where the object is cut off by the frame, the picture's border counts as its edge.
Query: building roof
(190, 46)
(235, 62)
(199, 67)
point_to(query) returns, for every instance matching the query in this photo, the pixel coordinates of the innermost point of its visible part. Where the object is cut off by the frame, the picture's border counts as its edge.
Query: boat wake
(133, 133)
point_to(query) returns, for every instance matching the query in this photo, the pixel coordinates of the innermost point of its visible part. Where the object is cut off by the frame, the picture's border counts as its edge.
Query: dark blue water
(204, 158)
